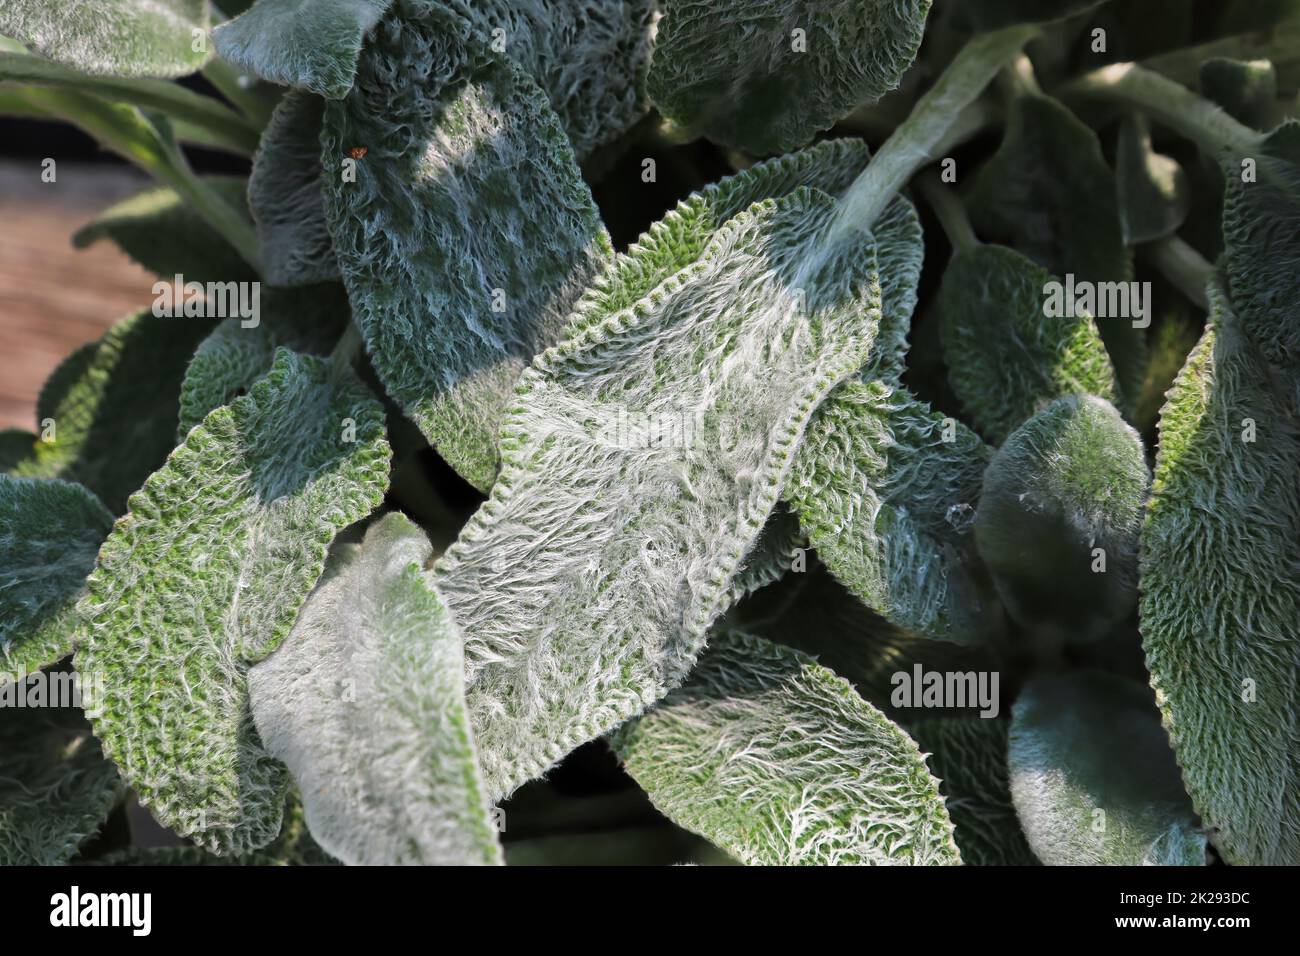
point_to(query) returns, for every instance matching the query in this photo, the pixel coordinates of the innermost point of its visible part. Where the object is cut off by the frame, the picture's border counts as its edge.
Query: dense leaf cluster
(851, 432)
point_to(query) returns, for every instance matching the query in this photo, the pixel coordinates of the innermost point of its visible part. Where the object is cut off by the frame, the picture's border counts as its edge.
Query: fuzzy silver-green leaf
(311, 45)
(887, 489)
(1220, 583)
(114, 409)
(50, 532)
(779, 762)
(56, 788)
(468, 234)
(205, 575)
(585, 585)
(765, 76)
(1007, 358)
(116, 37)
(1093, 779)
(365, 703)
(1059, 518)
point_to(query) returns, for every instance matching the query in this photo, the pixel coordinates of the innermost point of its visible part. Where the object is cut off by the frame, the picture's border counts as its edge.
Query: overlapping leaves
(205, 575)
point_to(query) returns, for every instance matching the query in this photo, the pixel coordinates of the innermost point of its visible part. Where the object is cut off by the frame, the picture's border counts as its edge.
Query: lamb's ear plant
(463, 481)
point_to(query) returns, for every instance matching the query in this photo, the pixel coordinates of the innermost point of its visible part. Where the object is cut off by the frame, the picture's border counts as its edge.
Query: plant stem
(1279, 44)
(219, 125)
(1185, 268)
(231, 83)
(915, 143)
(1169, 103)
(347, 348)
(949, 210)
(123, 130)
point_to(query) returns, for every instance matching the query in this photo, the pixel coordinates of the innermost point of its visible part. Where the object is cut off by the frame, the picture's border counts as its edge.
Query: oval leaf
(887, 489)
(365, 702)
(765, 76)
(1093, 779)
(50, 532)
(778, 762)
(114, 410)
(1059, 518)
(114, 37)
(312, 45)
(205, 576)
(602, 557)
(467, 234)
(1221, 593)
(1010, 344)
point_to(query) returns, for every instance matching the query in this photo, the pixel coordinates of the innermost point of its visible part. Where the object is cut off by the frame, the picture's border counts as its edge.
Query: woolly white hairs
(585, 585)
(308, 44)
(1092, 776)
(365, 703)
(228, 362)
(112, 37)
(205, 575)
(888, 503)
(1228, 511)
(284, 196)
(50, 532)
(468, 233)
(56, 788)
(732, 68)
(589, 56)
(777, 761)
(969, 758)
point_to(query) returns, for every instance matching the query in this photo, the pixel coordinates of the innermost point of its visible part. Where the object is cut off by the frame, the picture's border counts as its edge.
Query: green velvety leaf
(1093, 778)
(1247, 89)
(812, 612)
(365, 703)
(1049, 193)
(232, 358)
(222, 126)
(1154, 196)
(1007, 356)
(50, 532)
(204, 577)
(293, 847)
(1176, 334)
(1261, 231)
(1058, 522)
(586, 584)
(994, 14)
(284, 194)
(468, 234)
(56, 788)
(777, 761)
(589, 57)
(16, 446)
(738, 72)
(1220, 593)
(115, 415)
(161, 232)
(117, 37)
(312, 45)
(886, 489)
(678, 239)
(781, 545)
(969, 759)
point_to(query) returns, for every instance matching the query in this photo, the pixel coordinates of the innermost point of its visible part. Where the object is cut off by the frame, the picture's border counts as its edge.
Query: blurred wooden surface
(53, 297)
